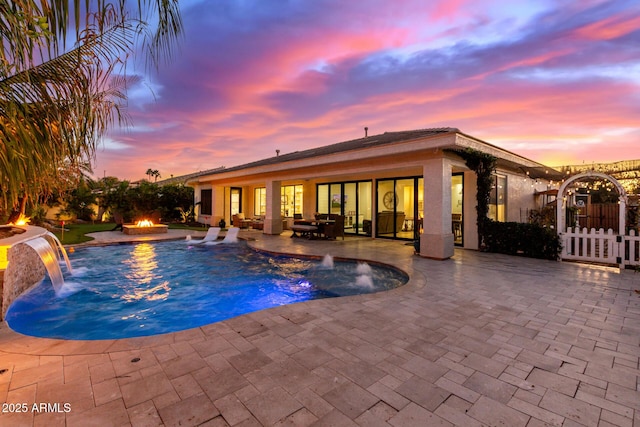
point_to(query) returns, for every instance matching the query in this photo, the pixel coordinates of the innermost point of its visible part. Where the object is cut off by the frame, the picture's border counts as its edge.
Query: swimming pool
(132, 290)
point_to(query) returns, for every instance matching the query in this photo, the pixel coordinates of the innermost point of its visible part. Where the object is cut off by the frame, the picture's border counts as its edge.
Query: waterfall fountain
(48, 247)
(26, 257)
(56, 244)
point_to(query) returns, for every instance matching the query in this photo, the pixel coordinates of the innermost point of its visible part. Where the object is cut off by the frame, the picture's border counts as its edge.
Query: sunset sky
(555, 81)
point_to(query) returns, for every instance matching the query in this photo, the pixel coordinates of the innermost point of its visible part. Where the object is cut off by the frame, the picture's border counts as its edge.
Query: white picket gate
(631, 246)
(601, 246)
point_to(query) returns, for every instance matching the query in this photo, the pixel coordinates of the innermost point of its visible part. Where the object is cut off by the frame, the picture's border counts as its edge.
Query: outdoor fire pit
(144, 227)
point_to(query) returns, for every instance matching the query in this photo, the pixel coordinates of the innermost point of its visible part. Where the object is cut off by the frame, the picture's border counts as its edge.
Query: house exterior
(397, 185)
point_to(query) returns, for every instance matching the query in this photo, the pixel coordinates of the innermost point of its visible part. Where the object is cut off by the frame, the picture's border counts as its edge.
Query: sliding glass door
(236, 200)
(350, 199)
(400, 208)
(457, 193)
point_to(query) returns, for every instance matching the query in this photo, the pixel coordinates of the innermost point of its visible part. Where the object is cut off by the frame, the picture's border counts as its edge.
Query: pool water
(142, 289)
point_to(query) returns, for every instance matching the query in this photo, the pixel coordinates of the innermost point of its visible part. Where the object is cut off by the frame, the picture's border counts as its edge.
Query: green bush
(514, 238)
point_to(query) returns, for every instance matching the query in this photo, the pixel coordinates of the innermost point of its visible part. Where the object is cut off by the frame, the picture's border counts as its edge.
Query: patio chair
(335, 229)
(211, 236)
(230, 237)
(238, 220)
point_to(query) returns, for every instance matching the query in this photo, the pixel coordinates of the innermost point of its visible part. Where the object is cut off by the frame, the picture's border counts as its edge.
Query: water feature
(149, 288)
(363, 269)
(48, 247)
(327, 262)
(58, 249)
(365, 276)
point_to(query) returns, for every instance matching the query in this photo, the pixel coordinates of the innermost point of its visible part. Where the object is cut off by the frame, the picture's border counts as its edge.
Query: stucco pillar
(273, 219)
(309, 199)
(437, 239)
(218, 206)
(470, 214)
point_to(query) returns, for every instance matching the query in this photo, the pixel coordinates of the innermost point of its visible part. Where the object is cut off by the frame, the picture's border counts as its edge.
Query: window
(205, 202)
(291, 197)
(498, 199)
(260, 201)
(236, 200)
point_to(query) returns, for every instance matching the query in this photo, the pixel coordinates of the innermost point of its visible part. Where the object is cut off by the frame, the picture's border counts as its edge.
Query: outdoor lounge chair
(231, 237)
(212, 236)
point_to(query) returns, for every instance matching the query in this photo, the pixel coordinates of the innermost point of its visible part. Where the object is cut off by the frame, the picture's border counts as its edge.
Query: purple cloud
(252, 77)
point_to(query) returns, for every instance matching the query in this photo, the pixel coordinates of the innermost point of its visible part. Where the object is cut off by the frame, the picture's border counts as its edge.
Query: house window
(236, 200)
(205, 202)
(291, 200)
(498, 199)
(260, 201)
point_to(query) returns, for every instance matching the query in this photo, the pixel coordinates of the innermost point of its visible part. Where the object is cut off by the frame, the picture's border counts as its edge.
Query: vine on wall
(484, 165)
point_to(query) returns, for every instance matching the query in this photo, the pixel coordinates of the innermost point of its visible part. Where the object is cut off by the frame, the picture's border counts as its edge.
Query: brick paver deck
(481, 339)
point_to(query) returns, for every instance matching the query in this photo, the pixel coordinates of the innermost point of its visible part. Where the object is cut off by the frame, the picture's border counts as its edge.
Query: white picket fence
(601, 246)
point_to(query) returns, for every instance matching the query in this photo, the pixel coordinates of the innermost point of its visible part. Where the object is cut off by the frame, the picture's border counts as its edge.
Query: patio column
(470, 214)
(273, 218)
(218, 205)
(437, 239)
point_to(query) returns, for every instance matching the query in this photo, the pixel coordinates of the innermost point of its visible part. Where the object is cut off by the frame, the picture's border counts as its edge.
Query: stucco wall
(520, 196)
(25, 269)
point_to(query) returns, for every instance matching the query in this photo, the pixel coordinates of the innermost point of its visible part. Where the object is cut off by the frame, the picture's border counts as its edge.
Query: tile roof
(354, 144)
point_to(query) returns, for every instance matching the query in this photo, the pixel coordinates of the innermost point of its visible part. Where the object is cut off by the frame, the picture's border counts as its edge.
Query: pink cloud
(610, 28)
(251, 81)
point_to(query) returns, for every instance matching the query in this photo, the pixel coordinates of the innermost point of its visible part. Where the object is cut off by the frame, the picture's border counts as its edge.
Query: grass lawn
(75, 233)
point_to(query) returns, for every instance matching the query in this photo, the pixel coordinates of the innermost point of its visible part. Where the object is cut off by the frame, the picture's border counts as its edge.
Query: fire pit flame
(21, 220)
(144, 223)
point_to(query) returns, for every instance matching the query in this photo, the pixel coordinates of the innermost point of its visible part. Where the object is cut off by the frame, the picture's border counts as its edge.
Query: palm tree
(56, 103)
(155, 173)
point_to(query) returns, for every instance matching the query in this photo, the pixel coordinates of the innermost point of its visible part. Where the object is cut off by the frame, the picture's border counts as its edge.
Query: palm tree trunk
(23, 204)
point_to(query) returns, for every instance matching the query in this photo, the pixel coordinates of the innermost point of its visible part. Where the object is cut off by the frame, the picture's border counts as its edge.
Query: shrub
(514, 238)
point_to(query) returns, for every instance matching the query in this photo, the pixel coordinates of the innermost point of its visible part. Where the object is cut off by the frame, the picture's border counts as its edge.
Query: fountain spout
(50, 251)
(19, 252)
(327, 261)
(58, 249)
(49, 257)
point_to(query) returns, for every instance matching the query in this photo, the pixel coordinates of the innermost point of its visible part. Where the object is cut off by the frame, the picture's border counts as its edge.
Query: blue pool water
(144, 289)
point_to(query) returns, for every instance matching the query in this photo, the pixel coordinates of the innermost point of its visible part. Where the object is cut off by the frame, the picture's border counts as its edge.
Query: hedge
(514, 238)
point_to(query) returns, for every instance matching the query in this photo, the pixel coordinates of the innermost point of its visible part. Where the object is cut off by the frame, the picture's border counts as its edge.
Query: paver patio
(481, 339)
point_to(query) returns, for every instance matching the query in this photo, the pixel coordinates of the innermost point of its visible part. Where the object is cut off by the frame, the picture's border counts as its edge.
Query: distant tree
(152, 173)
(101, 188)
(175, 200)
(118, 199)
(79, 201)
(145, 199)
